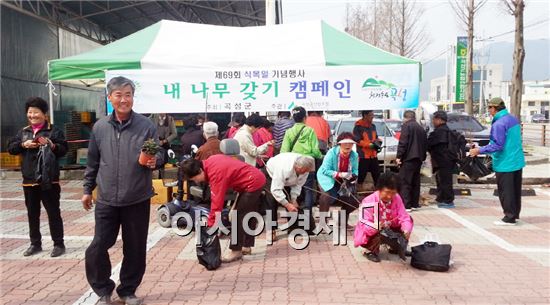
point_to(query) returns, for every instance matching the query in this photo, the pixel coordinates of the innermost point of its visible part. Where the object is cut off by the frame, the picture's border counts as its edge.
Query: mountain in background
(535, 67)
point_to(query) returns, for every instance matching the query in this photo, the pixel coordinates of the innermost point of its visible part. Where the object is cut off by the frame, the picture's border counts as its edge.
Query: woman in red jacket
(222, 173)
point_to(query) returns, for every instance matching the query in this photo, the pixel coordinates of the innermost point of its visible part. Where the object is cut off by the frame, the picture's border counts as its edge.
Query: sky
(439, 17)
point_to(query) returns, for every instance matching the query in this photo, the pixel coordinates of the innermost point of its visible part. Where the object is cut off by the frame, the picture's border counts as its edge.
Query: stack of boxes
(70, 123)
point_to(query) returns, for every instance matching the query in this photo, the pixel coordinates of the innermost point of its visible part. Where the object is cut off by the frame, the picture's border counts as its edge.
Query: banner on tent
(274, 89)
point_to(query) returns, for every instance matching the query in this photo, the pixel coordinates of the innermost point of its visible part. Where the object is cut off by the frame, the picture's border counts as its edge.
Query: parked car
(395, 126)
(539, 118)
(389, 143)
(474, 132)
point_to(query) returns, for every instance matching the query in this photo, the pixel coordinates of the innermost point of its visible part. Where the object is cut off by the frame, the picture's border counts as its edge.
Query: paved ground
(496, 265)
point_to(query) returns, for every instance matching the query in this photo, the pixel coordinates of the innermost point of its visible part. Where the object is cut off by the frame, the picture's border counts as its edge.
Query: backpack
(456, 146)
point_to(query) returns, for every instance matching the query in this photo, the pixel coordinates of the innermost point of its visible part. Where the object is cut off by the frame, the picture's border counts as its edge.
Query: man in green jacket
(506, 149)
(302, 139)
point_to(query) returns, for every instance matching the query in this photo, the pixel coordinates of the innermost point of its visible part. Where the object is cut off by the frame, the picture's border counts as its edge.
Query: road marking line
(89, 297)
(493, 238)
(23, 199)
(21, 236)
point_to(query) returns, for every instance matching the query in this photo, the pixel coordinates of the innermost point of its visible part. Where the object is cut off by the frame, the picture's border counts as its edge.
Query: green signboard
(461, 51)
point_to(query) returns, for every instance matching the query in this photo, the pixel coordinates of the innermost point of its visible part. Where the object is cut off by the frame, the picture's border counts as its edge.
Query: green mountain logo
(373, 83)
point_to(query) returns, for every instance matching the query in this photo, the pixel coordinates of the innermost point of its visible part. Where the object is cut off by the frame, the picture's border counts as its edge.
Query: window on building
(490, 72)
(532, 104)
(490, 85)
(533, 112)
(545, 103)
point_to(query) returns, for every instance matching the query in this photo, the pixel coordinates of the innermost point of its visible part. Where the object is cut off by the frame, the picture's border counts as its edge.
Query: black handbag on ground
(209, 250)
(431, 256)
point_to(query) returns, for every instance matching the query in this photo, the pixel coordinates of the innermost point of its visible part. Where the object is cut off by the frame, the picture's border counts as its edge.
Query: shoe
(132, 300)
(415, 208)
(371, 256)
(232, 256)
(105, 300)
(32, 250)
(409, 210)
(57, 251)
(444, 205)
(246, 251)
(505, 222)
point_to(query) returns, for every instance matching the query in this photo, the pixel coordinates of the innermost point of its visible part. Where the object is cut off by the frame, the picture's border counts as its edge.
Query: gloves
(345, 175)
(171, 154)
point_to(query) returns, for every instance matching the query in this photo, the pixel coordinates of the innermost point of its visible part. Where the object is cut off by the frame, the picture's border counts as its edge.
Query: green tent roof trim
(343, 49)
(138, 50)
(125, 53)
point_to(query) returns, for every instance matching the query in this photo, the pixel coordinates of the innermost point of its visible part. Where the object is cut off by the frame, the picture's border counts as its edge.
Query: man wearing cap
(442, 164)
(212, 145)
(506, 150)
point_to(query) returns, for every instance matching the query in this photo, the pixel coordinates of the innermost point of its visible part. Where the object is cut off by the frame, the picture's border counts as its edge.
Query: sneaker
(246, 251)
(505, 222)
(105, 300)
(409, 210)
(415, 208)
(444, 205)
(57, 251)
(373, 257)
(132, 300)
(32, 250)
(232, 256)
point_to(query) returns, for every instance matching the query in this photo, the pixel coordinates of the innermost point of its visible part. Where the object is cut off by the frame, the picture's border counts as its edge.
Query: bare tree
(410, 37)
(466, 10)
(392, 25)
(515, 8)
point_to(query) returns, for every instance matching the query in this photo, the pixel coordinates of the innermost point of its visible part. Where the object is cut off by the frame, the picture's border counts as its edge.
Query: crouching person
(224, 173)
(391, 215)
(338, 170)
(286, 170)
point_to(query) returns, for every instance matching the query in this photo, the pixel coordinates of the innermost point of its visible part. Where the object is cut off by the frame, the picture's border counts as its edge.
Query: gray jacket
(113, 166)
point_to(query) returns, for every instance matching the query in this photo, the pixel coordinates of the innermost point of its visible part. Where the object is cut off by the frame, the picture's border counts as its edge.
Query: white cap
(344, 141)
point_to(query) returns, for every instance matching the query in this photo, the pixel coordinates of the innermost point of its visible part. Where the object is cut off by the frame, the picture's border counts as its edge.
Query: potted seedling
(148, 151)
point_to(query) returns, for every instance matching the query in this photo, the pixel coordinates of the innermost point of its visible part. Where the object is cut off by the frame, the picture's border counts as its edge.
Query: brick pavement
(492, 265)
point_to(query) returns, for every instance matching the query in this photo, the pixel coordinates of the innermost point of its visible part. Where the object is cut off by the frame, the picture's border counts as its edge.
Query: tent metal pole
(50, 97)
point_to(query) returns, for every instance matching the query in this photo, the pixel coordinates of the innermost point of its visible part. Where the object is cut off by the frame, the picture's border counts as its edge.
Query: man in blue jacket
(506, 150)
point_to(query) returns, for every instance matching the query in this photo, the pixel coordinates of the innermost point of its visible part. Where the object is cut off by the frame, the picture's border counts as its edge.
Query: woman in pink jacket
(391, 214)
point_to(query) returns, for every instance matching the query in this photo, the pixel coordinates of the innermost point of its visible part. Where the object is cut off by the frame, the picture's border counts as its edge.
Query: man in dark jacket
(442, 163)
(124, 193)
(411, 151)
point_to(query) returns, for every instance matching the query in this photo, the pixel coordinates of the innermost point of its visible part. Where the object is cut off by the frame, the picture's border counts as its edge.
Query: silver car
(389, 143)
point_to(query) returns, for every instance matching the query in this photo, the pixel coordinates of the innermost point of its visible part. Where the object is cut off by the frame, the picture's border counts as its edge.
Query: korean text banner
(274, 89)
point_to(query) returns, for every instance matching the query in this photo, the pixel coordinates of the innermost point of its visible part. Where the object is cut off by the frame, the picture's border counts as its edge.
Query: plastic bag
(474, 168)
(209, 250)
